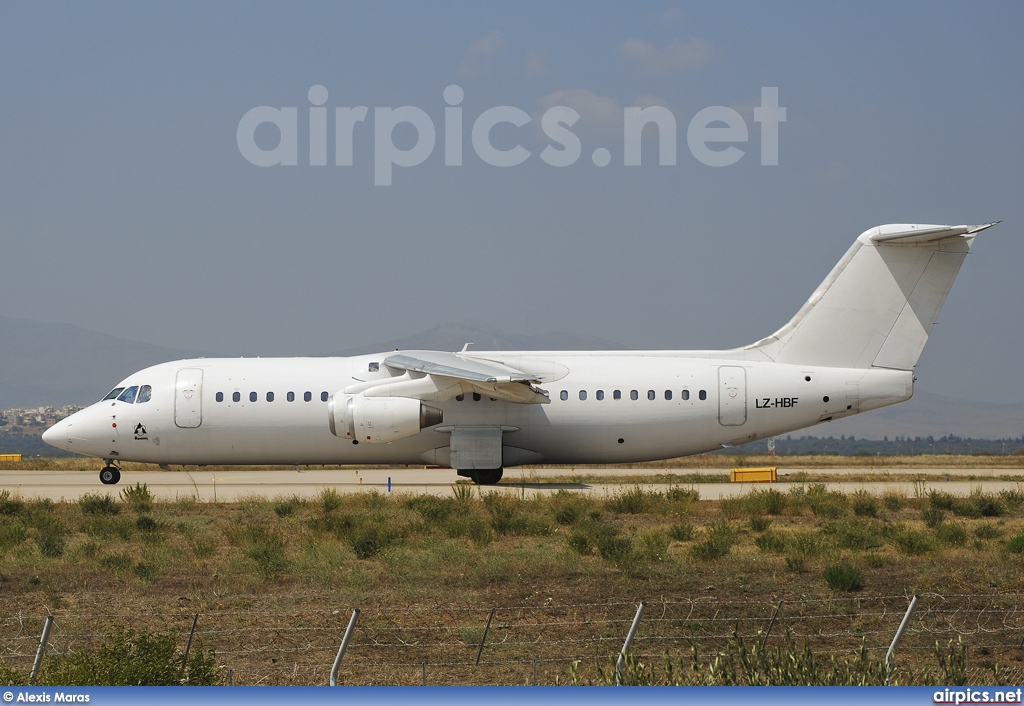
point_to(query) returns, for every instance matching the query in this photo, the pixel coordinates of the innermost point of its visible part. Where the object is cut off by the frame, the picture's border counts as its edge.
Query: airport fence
(547, 643)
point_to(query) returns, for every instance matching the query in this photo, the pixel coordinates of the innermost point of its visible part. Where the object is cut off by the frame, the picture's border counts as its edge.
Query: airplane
(852, 347)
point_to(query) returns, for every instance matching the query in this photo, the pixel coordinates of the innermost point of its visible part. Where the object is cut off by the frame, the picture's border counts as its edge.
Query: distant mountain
(58, 364)
(452, 337)
(931, 414)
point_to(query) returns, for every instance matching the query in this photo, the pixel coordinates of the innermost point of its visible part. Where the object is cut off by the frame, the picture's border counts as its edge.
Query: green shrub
(138, 497)
(471, 526)
(717, 543)
(843, 577)
(633, 502)
(988, 530)
(865, 504)
(117, 562)
(677, 494)
(682, 531)
(371, 539)
(769, 502)
(759, 523)
(147, 524)
(653, 545)
(985, 505)
(96, 504)
(824, 502)
(941, 500)
(907, 539)
(857, 535)
(893, 502)
(1016, 544)
(11, 535)
(796, 564)
(951, 534)
(127, 658)
(506, 515)
(329, 499)
(9, 505)
(933, 516)
(614, 549)
(431, 508)
(287, 506)
(771, 542)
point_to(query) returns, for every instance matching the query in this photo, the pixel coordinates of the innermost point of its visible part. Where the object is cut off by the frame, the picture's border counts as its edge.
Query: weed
(96, 504)
(287, 506)
(506, 517)
(462, 494)
(769, 502)
(653, 545)
(682, 531)
(9, 505)
(329, 499)
(986, 505)
(632, 502)
(472, 526)
(1013, 498)
(875, 561)
(933, 516)
(988, 530)
(907, 539)
(951, 534)
(717, 544)
(117, 562)
(941, 500)
(856, 535)
(796, 564)
(759, 523)
(145, 570)
(894, 502)
(824, 502)
(843, 577)
(865, 504)
(678, 494)
(771, 542)
(1016, 544)
(146, 523)
(12, 535)
(431, 508)
(138, 497)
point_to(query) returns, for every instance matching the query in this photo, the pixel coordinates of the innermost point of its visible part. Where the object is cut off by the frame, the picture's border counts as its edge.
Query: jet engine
(379, 420)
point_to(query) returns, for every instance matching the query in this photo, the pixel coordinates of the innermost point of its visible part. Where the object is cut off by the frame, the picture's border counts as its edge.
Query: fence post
(344, 646)
(43, 639)
(896, 639)
(424, 674)
(188, 647)
(764, 640)
(621, 661)
(483, 639)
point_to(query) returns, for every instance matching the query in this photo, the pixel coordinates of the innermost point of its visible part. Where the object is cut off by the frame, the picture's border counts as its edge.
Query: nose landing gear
(110, 474)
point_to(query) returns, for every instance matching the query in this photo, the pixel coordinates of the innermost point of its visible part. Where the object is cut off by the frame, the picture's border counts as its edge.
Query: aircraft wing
(486, 377)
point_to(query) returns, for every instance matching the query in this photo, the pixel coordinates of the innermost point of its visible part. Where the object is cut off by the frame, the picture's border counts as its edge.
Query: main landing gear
(483, 477)
(110, 474)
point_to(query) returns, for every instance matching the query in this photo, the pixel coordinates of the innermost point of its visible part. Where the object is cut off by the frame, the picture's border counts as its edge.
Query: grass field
(259, 570)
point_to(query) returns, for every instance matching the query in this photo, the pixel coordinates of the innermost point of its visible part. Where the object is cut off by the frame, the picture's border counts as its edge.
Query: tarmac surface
(229, 486)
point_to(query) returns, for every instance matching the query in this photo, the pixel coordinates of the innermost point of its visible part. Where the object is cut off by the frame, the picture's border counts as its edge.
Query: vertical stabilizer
(879, 303)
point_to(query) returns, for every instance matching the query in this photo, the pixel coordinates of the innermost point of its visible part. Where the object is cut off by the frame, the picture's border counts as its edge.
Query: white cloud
(598, 114)
(677, 56)
(478, 57)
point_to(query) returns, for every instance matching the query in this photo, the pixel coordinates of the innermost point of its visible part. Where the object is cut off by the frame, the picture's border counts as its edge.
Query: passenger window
(324, 396)
(634, 395)
(651, 395)
(220, 396)
(686, 394)
(128, 396)
(564, 394)
(703, 394)
(617, 394)
(145, 394)
(252, 396)
(235, 397)
(308, 396)
(112, 395)
(583, 395)
(270, 397)
(460, 398)
(600, 394)
(668, 394)
(374, 367)
(291, 396)
(476, 396)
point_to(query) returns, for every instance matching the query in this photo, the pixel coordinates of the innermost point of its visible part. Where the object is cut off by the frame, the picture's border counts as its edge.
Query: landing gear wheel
(110, 475)
(488, 477)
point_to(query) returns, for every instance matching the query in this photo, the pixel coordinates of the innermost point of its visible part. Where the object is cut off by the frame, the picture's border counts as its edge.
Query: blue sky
(128, 208)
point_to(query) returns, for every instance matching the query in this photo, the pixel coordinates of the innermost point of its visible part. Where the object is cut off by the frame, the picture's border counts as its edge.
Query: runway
(230, 486)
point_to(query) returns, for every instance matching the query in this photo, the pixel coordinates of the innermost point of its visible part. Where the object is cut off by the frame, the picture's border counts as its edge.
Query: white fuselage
(606, 407)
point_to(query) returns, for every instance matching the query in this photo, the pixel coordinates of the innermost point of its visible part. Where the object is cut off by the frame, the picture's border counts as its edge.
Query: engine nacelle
(379, 420)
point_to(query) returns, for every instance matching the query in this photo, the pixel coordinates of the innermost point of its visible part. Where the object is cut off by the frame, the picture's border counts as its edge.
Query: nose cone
(57, 435)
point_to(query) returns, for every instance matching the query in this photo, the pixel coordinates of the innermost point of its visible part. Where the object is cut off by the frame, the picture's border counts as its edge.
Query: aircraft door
(732, 396)
(188, 398)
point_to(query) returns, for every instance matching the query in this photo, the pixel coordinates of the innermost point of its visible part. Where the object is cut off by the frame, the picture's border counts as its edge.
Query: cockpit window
(128, 396)
(145, 394)
(112, 395)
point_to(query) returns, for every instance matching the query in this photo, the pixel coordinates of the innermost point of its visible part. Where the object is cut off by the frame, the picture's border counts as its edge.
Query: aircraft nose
(57, 435)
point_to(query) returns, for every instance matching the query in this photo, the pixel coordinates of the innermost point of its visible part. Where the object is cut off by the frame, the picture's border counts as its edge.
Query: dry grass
(261, 569)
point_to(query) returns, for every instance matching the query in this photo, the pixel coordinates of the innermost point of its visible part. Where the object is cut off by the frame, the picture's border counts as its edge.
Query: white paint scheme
(851, 348)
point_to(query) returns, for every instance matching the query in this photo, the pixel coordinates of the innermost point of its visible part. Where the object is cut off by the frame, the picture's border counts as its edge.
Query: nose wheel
(110, 475)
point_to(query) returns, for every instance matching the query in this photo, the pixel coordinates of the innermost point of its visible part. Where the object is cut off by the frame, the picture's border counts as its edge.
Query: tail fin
(878, 305)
